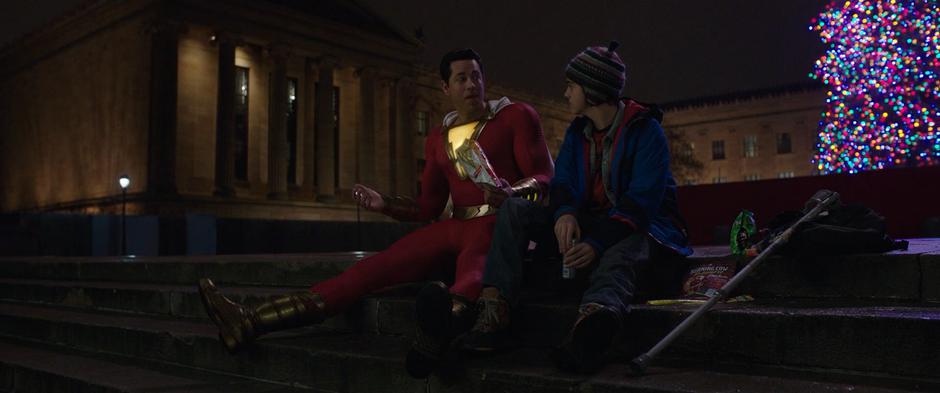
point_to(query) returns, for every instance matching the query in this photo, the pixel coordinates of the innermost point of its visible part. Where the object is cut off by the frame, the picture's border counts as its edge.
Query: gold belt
(466, 213)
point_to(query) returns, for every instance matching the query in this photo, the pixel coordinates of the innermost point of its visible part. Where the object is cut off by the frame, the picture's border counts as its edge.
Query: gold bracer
(400, 208)
(295, 309)
(530, 189)
(466, 213)
(239, 325)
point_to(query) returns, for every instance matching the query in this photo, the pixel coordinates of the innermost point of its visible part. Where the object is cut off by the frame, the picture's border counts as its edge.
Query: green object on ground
(742, 232)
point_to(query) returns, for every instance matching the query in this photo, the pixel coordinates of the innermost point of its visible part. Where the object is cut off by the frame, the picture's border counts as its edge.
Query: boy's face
(574, 93)
(465, 86)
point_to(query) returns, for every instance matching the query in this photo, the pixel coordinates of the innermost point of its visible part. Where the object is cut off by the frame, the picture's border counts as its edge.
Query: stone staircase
(867, 323)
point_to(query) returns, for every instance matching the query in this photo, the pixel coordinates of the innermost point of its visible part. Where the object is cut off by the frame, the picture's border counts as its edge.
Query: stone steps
(298, 270)
(896, 276)
(768, 332)
(34, 368)
(326, 360)
(851, 323)
(157, 299)
(896, 339)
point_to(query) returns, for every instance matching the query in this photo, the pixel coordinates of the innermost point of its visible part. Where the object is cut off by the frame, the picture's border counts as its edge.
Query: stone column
(406, 163)
(161, 144)
(277, 125)
(365, 138)
(309, 167)
(326, 140)
(392, 149)
(225, 117)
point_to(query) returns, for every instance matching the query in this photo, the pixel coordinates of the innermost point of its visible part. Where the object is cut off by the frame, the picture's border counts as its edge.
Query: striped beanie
(599, 71)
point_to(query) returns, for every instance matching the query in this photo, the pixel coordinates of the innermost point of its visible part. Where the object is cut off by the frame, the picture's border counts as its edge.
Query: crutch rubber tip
(638, 365)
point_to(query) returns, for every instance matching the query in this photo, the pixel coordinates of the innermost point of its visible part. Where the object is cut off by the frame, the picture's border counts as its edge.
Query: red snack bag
(705, 278)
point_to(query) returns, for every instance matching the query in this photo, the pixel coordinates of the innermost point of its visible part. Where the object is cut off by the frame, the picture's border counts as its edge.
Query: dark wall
(909, 198)
(277, 236)
(98, 235)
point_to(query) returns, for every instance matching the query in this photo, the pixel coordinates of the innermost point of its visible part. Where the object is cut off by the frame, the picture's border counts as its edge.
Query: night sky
(674, 49)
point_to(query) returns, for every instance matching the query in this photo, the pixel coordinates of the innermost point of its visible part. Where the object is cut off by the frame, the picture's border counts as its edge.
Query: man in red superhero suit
(510, 135)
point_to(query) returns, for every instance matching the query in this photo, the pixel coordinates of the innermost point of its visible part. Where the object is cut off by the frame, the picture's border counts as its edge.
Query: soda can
(568, 273)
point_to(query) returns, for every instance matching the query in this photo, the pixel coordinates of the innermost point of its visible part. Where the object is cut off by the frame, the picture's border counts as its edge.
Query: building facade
(750, 136)
(182, 96)
(274, 109)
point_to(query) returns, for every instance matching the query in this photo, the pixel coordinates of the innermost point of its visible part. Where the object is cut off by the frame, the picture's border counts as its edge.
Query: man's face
(574, 93)
(465, 86)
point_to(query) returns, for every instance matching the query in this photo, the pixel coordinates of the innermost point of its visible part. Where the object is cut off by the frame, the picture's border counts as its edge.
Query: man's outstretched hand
(496, 196)
(368, 198)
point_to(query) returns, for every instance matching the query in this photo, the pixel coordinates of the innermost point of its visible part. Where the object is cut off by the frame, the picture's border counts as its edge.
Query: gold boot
(239, 325)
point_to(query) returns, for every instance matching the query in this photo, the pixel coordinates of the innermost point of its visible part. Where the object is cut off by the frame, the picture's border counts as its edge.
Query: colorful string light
(881, 70)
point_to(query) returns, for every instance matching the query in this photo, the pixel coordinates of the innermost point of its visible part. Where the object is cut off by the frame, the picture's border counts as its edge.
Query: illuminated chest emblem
(457, 137)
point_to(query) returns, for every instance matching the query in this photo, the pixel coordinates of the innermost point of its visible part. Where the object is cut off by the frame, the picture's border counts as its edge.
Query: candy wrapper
(472, 159)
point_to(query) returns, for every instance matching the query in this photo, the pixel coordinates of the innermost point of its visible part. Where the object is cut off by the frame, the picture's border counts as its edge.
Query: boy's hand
(580, 255)
(566, 230)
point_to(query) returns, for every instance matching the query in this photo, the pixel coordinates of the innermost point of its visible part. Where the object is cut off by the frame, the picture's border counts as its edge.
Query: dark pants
(613, 282)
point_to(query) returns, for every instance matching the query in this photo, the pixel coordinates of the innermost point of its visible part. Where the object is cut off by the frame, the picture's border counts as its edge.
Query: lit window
(292, 130)
(423, 123)
(241, 123)
(750, 146)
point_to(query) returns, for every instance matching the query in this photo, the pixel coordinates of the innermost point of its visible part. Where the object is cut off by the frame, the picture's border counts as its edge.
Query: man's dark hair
(454, 55)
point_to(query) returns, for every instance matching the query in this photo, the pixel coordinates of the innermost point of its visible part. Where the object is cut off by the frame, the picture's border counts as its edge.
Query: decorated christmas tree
(881, 70)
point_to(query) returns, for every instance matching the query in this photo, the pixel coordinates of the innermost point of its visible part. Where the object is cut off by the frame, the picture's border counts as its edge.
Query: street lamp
(124, 181)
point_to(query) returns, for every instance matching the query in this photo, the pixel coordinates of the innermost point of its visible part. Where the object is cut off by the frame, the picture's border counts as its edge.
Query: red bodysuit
(515, 146)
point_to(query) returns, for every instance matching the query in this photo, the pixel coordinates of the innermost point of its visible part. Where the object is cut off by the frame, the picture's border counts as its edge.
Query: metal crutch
(639, 364)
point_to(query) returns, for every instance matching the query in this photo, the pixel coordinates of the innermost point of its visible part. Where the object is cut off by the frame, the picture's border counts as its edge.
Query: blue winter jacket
(636, 176)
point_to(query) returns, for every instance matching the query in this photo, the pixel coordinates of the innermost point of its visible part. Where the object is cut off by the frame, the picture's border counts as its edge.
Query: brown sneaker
(491, 331)
(593, 332)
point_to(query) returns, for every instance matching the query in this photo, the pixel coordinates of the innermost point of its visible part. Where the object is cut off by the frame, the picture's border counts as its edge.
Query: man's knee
(513, 210)
(516, 206)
